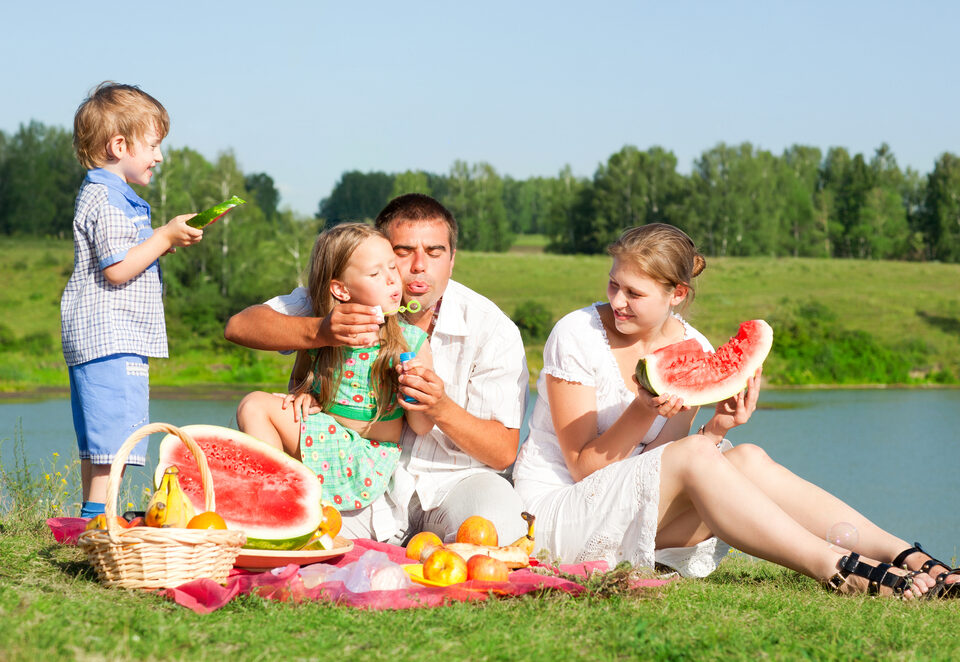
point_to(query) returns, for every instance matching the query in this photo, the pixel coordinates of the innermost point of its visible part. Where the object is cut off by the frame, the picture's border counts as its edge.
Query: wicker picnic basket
(152, 557)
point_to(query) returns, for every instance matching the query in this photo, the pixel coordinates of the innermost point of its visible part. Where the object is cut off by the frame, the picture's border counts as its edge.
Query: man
(476, 393)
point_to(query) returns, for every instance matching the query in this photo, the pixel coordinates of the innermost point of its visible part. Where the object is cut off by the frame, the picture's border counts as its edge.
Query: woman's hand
(304, 404)
(665, 405)
(736, 410)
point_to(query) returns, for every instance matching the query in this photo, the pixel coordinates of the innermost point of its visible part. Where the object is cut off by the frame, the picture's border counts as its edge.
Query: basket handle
(120, 461)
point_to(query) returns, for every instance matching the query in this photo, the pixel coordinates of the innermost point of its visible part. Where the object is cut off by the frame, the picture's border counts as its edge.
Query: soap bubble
(843, 535)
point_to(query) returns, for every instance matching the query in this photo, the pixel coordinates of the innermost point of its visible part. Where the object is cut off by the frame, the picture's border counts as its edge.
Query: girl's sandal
(942, 588)
(878, 576)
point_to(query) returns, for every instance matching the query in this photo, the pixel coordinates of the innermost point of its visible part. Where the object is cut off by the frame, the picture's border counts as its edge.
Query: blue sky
(307, 90)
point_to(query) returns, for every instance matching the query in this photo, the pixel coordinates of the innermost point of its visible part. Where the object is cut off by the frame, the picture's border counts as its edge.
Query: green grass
(895, 302)
(51, 606)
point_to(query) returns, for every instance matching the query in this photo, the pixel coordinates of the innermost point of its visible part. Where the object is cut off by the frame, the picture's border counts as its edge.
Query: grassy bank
(907, 314)
(745, 610)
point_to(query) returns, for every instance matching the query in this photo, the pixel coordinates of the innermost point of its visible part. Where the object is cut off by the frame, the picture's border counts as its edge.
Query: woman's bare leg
(261, 415)
(813, 507)
(818, 510)
(695, 475)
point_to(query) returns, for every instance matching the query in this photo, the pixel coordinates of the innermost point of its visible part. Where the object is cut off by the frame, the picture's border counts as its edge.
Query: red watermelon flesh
(258, 489)
(685, 370)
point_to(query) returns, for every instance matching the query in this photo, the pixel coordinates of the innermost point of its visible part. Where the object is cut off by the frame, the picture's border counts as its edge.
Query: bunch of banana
(169, 506)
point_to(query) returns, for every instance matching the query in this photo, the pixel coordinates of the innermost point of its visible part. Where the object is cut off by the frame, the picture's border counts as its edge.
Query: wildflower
(47, 477)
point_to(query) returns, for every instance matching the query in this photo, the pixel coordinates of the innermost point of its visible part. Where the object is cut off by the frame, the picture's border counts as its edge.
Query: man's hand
(425, 386)
(351, 324)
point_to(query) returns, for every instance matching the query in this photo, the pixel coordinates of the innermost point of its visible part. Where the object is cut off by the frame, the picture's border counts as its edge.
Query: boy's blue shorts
(110, 398)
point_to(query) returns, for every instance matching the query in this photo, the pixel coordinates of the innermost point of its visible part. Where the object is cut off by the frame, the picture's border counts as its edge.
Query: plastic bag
(316, 574)
(374, 571)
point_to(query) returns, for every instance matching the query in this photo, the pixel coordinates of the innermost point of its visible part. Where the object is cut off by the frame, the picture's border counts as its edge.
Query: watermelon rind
(278, 508)
(686, 371)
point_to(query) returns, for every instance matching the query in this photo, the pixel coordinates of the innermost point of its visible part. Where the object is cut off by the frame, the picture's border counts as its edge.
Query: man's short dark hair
(413, 207)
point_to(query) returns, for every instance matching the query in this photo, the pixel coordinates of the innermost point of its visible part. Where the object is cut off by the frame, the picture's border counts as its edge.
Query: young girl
(613, 473)
(346, 418)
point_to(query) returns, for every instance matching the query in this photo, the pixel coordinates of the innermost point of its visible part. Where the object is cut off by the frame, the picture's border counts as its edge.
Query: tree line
(738, 200)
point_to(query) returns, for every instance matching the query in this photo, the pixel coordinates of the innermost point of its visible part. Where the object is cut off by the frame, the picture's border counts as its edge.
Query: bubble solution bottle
(404, 357)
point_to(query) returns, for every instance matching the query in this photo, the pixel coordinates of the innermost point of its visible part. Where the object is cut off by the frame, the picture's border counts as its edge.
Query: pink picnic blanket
(285, 585)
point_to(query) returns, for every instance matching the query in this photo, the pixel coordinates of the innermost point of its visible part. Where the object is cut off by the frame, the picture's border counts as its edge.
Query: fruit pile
(474, 555)
(168, 507)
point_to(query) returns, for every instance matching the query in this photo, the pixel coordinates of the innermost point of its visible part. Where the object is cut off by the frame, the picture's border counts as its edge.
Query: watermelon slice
(208, 216)
(259, 489)
(685, 370)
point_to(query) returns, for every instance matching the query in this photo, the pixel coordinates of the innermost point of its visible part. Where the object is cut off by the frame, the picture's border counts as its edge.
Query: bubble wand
(412, 307)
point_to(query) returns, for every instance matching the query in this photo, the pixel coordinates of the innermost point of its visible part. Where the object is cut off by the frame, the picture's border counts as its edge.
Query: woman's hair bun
(699, 264)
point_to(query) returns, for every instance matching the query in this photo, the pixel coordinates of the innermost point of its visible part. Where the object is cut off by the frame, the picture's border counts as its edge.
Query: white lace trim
(567, 376)
(611, 360)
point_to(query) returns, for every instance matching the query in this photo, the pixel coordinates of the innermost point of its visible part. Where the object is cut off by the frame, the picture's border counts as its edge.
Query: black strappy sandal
(942, 589)
(877, 575)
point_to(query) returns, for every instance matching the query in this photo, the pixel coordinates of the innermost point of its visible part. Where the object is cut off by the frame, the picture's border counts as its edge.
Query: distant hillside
(850, 312)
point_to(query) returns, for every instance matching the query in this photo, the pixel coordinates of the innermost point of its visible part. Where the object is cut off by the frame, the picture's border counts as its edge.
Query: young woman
(611, 473)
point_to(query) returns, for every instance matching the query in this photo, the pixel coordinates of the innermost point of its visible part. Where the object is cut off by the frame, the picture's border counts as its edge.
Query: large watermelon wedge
(259, 489)
(685, 370)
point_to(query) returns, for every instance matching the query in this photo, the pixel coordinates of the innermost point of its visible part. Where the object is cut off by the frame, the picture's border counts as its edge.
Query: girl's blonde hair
(331, 255)
(664, 253)
(113, 109)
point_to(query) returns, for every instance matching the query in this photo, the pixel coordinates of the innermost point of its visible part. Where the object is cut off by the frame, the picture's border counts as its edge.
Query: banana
(525, 542)
(169, 506)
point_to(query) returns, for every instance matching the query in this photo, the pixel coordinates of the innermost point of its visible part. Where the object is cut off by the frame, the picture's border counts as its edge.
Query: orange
(420, 541)
(477, 531)
(207, 520)
(332, 522)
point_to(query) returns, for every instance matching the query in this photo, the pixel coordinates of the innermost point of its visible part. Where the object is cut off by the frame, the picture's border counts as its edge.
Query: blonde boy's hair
(114, 109)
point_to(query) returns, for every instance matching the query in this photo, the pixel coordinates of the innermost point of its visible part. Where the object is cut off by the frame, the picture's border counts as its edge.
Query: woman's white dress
(611, 514)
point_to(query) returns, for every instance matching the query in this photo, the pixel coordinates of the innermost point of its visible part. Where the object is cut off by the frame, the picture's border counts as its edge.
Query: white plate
(265, 559)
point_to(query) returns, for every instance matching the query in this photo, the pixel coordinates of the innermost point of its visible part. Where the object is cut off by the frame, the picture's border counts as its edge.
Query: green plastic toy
(208, 216)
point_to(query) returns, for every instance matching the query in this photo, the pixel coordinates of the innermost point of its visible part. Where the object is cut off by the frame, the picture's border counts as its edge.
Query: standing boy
(111, 312)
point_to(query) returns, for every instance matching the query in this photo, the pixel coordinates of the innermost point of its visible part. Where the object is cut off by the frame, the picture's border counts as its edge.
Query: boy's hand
(178, 233)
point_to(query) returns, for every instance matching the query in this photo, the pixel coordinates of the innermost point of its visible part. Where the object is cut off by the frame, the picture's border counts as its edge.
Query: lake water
(888, 453)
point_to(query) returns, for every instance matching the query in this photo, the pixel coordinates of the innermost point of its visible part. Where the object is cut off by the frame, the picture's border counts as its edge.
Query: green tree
(734, 205)
(476, 199)
(569, 214)
(941, 216)
(802, 233)
(633, 188)
(882, 232)
(39, 180)
(826, 201)
(262, 190)
(357, 196)
(410, 181)
(527, 203)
